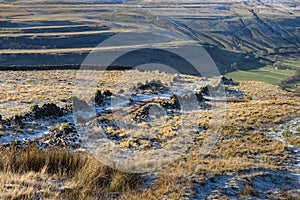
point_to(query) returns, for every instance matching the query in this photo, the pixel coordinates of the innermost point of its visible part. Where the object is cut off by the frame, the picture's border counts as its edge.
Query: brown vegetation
(31, 171)
(244, 144)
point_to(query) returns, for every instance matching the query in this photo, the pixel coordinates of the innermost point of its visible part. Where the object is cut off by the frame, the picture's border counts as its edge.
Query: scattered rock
(67, 128)
(63, 131)
(107, 93)
(228, 81)
(190, 100)
(153, 87)
(204, 90)
(17, 121)
(47, 110)
(142, 113)
(99, 98)
(153, 109)
(200, 97)
(102, 97)
(69, 104)
(173, 103)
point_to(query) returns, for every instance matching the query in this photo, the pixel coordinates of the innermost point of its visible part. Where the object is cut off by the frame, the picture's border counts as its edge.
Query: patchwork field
(32, 32)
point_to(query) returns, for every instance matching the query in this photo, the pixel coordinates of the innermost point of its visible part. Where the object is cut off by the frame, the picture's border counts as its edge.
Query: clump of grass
(54, 161)
(237, 100)
(84, 175)
(247, 191)
(287, 133)
(32, 107)
(71, 98)
(122, 181)
(298, 131)
(294, 141)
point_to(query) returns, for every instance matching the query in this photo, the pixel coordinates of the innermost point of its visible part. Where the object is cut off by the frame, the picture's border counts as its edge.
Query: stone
(154, 87)
(99, 98)
(47, 110)
(172, 103)
(107, 93)
(228, 81)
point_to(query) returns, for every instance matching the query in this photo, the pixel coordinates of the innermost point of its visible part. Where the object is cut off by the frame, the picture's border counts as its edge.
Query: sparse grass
(243, 144)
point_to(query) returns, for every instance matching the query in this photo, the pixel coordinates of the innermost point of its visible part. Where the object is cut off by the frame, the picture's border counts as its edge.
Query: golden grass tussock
(57, 173)
(53, 161)
(248, 190)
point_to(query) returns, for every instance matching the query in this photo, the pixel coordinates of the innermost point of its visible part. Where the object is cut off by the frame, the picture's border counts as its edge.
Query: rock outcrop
(47, 110)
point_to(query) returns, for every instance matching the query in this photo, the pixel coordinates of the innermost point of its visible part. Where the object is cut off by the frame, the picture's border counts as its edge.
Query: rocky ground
(249, 150)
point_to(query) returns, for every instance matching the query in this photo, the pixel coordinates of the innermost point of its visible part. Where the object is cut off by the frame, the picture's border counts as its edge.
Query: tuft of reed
(85, 176)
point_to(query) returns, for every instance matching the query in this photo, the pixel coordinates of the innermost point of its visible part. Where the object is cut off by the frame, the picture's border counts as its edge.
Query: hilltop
(256, 154)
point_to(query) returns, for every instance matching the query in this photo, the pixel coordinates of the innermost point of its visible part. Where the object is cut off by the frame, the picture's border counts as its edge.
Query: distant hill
(248, 34)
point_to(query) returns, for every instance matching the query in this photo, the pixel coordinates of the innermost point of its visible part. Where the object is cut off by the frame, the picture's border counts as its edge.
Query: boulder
(102, 97)
(107, 93)
(99, 98)
(204, 90)
(200, 97)
(172, 103)
(17, 121)
(47, 110)
(154, 86)
(228, 81)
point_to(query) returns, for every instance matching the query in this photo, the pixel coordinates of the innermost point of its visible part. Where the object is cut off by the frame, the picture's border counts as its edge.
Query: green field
(271, 74)
(292, 63)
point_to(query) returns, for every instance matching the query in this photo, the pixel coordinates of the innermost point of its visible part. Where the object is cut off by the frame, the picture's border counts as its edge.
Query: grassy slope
(270, 74)
(244, 144)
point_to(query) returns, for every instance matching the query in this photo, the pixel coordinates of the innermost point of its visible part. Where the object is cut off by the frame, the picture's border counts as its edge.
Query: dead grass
(294, 141)
(243, 144)
(247, 191)
(19, 89)
(57, 174)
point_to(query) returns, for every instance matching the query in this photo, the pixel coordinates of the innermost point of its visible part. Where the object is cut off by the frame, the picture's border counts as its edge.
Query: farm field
(269, 74)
